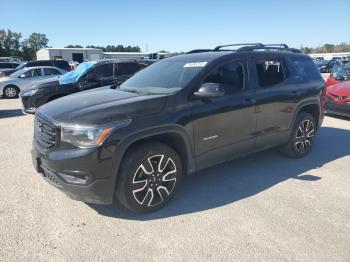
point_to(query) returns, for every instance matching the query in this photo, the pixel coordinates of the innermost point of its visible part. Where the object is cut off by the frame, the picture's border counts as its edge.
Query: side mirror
(22, 76)
(340, 78)
(208, 90)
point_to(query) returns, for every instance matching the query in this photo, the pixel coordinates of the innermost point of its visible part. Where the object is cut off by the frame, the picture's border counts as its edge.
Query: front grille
(45, 133)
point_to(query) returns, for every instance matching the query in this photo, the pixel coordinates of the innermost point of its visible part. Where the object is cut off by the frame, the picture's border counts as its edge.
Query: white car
(23, 80)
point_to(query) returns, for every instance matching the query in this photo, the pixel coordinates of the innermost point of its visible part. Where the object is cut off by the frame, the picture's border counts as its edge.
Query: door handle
(249, 101)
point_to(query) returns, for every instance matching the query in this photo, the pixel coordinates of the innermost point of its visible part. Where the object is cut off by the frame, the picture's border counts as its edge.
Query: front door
(224, 126)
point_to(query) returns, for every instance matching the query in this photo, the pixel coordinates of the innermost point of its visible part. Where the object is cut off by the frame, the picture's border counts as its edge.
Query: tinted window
(306, 69)
(271, 72)
(128, 68)
(51, 71)
(229, 75)
(62, 64)
(8, 65)
(32, 73)
(105, 70)
(38, 63)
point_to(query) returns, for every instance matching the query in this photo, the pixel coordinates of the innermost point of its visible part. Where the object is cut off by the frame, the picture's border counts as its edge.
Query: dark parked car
(179, 115)
(86, 76)
(8, 65)
(55, 63)
(325, 66)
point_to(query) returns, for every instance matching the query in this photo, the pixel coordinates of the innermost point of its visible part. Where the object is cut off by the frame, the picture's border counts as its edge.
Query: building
(69, 54)
(134, 55)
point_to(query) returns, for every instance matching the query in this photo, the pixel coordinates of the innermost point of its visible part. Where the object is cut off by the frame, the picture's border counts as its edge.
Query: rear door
(277, 95)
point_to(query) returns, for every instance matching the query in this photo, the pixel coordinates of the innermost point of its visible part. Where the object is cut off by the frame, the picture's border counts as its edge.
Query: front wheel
(11, 92)
(302, 136)
(148, 178)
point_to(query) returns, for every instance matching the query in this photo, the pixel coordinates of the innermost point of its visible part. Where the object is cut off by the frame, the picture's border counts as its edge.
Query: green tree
(73, 46)
(37, 41)
(9, 43)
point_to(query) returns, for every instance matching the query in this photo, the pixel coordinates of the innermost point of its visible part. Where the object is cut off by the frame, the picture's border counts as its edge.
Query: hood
(101, 106)
(340, 89)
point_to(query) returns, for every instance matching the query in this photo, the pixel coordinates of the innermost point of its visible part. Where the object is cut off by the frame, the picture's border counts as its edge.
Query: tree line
(327, 48)
(12, 44)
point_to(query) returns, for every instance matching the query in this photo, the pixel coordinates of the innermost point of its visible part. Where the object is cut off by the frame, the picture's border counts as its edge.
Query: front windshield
(18, 73)
(163, 77)
(73, 76)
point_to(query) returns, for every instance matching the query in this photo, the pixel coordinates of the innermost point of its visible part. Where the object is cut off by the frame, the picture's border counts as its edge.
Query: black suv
(138, 140)
(86, 76)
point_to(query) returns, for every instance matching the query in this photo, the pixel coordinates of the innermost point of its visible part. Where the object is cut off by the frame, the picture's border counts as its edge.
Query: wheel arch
(16, 86)
(173, 136)
(312, 107)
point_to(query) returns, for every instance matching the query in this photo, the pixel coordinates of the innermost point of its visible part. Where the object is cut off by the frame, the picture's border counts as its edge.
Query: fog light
(76, 179)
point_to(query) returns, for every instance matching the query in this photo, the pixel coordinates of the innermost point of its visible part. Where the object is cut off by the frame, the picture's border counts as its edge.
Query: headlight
(89, 136)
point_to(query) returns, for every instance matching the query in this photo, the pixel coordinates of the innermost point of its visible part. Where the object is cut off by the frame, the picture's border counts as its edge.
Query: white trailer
(70, 54)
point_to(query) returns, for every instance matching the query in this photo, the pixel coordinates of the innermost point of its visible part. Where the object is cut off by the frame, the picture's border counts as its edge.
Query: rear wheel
(148, 178)
(11, 91)
(302, 136)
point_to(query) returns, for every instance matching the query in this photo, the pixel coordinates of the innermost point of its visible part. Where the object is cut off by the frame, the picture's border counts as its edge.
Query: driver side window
(230, 76)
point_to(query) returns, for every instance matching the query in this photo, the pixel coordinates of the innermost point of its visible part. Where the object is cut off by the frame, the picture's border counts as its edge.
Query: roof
(72, 49)
(200, 57)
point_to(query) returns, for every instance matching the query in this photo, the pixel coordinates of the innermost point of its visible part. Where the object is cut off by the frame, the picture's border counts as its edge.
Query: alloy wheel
(154, 180)
(304, 136)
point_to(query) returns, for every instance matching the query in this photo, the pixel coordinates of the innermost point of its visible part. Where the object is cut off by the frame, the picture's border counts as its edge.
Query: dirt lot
(265, 207)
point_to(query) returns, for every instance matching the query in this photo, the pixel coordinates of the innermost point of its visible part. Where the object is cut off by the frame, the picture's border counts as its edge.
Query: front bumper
(28, 102)
(55, 166)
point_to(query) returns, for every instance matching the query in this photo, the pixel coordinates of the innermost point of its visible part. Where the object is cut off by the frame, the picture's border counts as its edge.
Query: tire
(11, 91)
(149, 176)
(302, 136)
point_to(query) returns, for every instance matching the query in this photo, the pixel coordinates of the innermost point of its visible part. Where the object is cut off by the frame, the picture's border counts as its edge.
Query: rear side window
(103, 71)
(51, 72)
(306, 69)
(271, 72)
(128, 68)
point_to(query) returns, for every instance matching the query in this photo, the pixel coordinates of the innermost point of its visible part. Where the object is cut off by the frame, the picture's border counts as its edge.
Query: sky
(179, 25)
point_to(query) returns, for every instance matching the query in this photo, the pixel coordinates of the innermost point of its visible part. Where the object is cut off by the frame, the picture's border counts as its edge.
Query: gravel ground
(264, 207)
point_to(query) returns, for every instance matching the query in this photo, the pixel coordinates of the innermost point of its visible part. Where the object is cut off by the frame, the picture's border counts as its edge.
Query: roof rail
(278, 45)
(199, 51)
(244, 44)
(264, 47)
